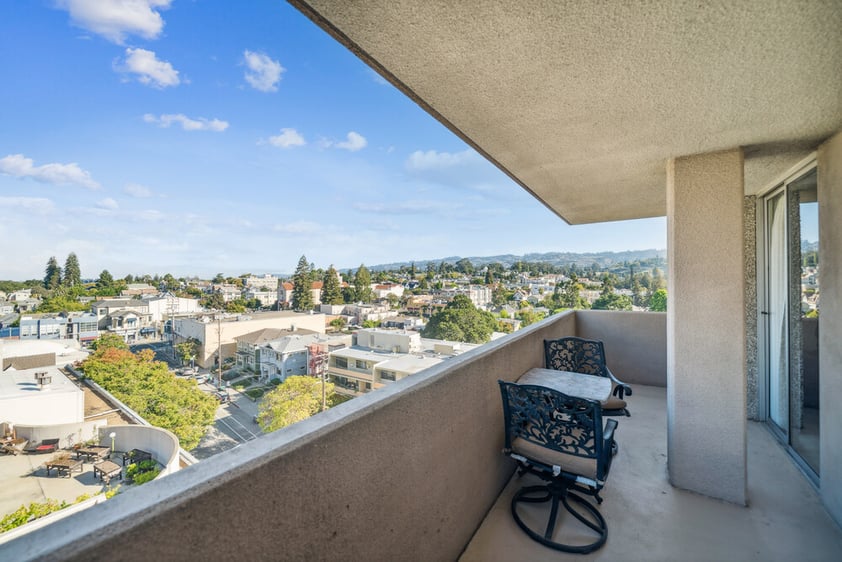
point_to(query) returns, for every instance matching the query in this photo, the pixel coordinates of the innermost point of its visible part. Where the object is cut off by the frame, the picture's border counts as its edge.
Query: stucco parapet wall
(311, 455)
(161, 443)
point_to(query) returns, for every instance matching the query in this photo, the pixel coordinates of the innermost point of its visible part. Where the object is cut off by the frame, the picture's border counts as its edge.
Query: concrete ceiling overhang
(582, 103)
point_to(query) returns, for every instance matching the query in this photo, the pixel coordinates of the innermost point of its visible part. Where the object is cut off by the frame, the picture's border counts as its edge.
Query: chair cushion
(613, 403)
(568, 463)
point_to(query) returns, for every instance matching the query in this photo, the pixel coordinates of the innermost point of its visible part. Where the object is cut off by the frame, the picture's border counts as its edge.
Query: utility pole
(219, 351)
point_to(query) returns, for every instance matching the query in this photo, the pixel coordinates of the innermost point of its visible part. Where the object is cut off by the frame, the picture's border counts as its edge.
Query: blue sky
(195, 137)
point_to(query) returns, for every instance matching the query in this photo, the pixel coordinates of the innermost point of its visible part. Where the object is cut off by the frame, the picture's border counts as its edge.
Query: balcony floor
(648, 519)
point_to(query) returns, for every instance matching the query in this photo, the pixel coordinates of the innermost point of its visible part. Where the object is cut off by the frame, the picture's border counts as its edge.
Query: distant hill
(602, 259)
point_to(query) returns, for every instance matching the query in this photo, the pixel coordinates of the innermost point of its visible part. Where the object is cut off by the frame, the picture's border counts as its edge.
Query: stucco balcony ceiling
(582, 103)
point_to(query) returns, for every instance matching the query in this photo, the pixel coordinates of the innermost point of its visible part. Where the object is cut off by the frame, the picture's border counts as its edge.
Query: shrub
(136, 469)
(275, 382)
(230, 375)
(145, 477)
(239, 385)
(255, 392)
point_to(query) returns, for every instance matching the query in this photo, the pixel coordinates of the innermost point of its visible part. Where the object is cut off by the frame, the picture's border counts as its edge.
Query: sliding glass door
(791, 315)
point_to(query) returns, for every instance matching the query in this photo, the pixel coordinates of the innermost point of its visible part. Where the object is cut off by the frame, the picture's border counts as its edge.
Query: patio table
(94, 451)
(107, 470)
(572, 384)
(64, 465)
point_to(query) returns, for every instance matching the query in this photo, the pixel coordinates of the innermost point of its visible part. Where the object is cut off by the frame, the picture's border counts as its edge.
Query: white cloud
(19, 166)
(407, 207)
(287, 139)
(151, 215)
(149, 70)
(37, 205)
(115, 19)
(188, 124)
(263, 73)
(431, 160)
(354, 142)
(137, 190)
(108, 203)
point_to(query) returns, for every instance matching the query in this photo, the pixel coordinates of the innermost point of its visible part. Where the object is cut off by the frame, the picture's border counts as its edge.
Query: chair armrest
(620, 388)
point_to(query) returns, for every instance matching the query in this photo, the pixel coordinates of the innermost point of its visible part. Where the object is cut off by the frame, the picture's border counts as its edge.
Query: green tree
(412, 271)
(52, 274)
(218, 279)
(331, 289)
(568, 294)
(612, 301)
(294, 400)
(658, 301)
(72, 272)
(362, 285)
(186, 350)
(465, 266)
(213, 301)
(338, 323)
(105, 280)
(108, 341)
(529, 316)
(302, 297)
(62, 303)
(460, 320)
(148, 387)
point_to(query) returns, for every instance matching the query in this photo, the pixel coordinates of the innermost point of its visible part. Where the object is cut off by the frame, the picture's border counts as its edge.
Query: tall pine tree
(302, 298)
(52, 275)
(331, 290)
(72, 272)
(362, 285)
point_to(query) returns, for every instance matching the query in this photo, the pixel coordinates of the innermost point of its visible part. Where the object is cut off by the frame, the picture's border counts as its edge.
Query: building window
(361, 364)
(387, 375)
(341, 362)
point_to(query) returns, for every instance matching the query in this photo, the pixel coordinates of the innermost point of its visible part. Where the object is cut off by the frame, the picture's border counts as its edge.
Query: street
(234, 421)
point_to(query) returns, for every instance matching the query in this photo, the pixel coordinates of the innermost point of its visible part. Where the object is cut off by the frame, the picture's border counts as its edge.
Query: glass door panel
(804, 326)
(776, 311)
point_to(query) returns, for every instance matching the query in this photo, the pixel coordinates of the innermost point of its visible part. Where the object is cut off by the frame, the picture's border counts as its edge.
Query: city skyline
(190, 139)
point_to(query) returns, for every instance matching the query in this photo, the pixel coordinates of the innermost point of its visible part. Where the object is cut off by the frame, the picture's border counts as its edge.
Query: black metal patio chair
(561, 440)
(579, 355)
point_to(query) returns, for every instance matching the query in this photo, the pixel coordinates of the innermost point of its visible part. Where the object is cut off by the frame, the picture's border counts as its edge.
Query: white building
(266, 282)
(166, 305)
(24, 401)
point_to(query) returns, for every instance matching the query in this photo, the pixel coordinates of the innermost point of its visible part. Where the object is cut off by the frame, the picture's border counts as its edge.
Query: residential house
(229, 291)
(291, 354)
(6, 307)
(383, 290)
(79, 326)
(20, 295)
(124, 317)
(286, 288)
(248, 345)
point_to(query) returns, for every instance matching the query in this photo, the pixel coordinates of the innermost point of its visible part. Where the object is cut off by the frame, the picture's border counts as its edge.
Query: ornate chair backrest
(576, 355)
(548, 418)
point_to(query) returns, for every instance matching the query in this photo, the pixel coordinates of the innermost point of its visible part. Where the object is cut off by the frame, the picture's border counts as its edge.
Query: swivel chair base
(559, 492)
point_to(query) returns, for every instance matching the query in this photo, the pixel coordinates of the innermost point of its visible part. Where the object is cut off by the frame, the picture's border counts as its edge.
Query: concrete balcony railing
(418, 460)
